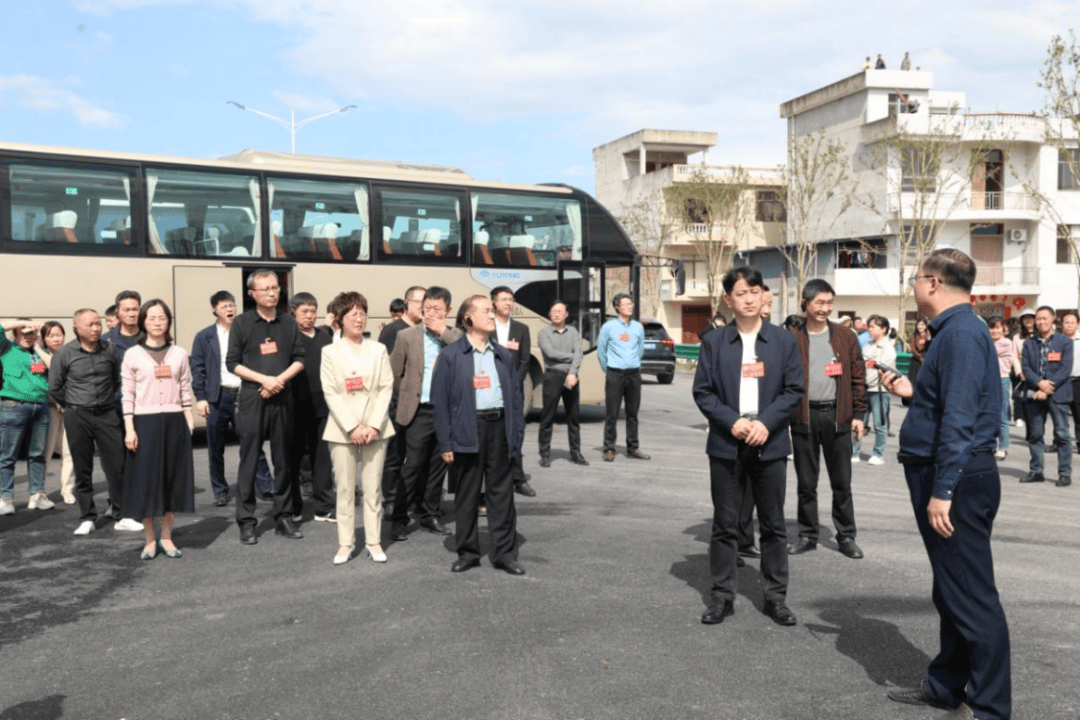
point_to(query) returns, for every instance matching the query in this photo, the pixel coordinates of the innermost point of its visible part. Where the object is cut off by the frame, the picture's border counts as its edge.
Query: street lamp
(291, 125)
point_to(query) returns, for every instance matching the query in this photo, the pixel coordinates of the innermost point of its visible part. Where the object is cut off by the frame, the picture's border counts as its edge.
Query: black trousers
(823, 439)
(490, 468)
(422, 470)
(766, 481)
(620, 384)
(395, 452)
(517, 466)
(307, 440)
(973, 663)
(1074, 406)
(85, 428)
(258, 421)
(554, 390)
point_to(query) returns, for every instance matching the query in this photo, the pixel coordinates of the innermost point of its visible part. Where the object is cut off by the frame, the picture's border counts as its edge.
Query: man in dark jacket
(748, 384)
(1047, 361)
(514, 336)
(478, 422)
(831, 410)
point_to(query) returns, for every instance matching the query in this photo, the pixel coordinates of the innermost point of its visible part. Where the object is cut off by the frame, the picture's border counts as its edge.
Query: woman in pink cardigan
(156, 397)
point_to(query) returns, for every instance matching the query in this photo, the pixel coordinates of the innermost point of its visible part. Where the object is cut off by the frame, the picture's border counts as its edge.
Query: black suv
(659, 358)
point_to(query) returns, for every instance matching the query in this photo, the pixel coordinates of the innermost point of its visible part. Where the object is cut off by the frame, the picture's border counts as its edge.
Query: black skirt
(160, 475)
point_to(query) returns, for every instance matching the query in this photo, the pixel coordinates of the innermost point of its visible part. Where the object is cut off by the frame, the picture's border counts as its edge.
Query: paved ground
(605, 624)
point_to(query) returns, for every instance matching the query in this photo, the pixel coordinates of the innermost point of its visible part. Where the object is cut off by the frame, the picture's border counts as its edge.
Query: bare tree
(651, 228)
(716, 207)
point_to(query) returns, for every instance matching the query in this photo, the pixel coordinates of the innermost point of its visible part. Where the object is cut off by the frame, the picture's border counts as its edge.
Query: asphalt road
(604, 625)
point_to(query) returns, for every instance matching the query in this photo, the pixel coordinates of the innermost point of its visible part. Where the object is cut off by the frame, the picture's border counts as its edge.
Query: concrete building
(979, 196)
(632, 175)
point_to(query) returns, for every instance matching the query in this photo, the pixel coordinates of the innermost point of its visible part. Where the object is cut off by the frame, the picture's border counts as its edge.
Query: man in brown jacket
(412, 364)
(832, 409)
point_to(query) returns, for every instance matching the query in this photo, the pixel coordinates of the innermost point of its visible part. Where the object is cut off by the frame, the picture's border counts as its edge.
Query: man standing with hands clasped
(748, 384)
(514, 336)
(619, 349)
(946, 447)
(1047, 361)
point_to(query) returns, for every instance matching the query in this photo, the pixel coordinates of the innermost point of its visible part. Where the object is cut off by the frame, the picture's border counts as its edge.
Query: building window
(1068, 169)
(770, 207)
(865, 254)
(919, 169)
(1064, 245)
(696, 211)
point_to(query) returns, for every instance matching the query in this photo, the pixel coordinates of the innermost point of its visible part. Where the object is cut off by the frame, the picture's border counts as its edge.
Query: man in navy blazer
(215, 391)
(749, 383)
(1047, 362)
(476, 398)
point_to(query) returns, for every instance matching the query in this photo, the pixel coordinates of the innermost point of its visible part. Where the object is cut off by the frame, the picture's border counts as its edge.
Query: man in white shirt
(514, 336)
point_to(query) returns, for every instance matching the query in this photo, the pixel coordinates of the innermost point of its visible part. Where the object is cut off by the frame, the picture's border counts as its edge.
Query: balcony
(696, 289)
(967, 205)
(754, 175)
(1012, 280)
(1009, 200)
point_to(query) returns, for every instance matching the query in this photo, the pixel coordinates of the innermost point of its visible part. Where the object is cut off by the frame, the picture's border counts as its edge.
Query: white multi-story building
(632, 174)
(986, 208)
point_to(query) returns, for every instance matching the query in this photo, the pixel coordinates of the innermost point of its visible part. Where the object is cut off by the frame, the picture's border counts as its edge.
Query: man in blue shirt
(946, 446)
(619, 348)
(1047, 361)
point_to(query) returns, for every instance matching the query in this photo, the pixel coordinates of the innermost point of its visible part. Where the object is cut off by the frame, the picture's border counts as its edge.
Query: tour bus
(77, 226)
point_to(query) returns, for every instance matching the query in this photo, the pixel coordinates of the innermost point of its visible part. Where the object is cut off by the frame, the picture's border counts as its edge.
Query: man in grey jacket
(560, 345)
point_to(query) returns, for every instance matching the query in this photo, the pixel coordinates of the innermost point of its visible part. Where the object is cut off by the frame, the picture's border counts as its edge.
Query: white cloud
(50, 95)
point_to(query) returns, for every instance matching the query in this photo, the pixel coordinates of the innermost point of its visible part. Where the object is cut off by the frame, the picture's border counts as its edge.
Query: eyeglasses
(917, 278)
(266, 290)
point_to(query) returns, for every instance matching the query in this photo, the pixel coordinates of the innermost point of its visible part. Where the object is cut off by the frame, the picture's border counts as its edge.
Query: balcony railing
(729, 171)
(1003, 201)
(997, 275)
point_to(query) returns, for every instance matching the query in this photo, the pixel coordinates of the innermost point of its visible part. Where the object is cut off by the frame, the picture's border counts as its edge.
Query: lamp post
(291, 125)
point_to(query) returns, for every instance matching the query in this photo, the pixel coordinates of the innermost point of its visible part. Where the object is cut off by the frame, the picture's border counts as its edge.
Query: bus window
(200, 214)
(314, 220)
(525, 230)
(51, 204)
(420, 223)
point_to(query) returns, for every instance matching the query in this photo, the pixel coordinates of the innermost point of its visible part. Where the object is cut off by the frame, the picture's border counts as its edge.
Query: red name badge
(268, 348)
(354, 384)
(625, 337)
(481, 382)
(513, 345)
(37, 368)
(1053, 357)
(163, 371)
(753, 370)
(870, 364)
(833, 369)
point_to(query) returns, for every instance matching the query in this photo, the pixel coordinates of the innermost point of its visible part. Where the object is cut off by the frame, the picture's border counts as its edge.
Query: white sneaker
(85, 527)
(297, 518)
(330, 518)
(876, 460)
(129, 524)
(855, 459)
(40, 501)
(69, 499)
(1019, 424)
(6, 507)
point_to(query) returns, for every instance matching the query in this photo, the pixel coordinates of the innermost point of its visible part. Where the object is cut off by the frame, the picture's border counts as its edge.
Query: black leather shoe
(779, 612)
(849, 548)
(804, 545)
(1032, 477)
(287, 528)
(398, 532)
(461, 565)
(509, 566)
(1063, 481)
(545, 461)
(716, 613)
(578, 459)
(739, 562)
(434, 526)
(247, 535)
(525, 489)
(609, 456)
(749, 552)
(637, 455)
(265, 497)
(915, 696)
(221, 499)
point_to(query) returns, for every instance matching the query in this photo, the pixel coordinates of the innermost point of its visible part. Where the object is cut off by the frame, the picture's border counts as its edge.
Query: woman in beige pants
(357, 385)
(52, 337)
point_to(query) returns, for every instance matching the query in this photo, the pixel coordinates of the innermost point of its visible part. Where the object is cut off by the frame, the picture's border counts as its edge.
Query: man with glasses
(266, 353)
(395, 446)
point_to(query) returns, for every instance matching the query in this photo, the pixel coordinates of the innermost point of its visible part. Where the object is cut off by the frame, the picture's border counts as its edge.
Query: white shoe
(129, 525)
(326, 519)
(342, 559)
(7, 507)
(377, 555)
(69, 499)
(40, 501)
(876, 460)
(855, 459)
(85, 527)
(297, 518)
(1001, 455)
(1019, 424)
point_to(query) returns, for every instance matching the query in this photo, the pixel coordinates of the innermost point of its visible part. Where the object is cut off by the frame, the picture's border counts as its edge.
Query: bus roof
(268, 160)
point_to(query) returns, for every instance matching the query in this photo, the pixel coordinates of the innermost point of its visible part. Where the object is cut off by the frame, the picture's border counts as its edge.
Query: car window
(655, 331)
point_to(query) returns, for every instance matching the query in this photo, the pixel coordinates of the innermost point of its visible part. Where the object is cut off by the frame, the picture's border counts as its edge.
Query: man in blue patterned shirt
(946, 446)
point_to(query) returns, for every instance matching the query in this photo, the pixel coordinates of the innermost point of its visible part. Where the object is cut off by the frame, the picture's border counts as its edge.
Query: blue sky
(507, 90)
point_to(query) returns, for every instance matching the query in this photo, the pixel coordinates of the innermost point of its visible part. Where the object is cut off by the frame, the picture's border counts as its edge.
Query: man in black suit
(514, 336)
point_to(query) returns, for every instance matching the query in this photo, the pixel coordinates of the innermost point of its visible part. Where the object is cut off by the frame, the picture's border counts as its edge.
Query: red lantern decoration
(1019, 303)
(1008, 311)
(994, 298)
(973, 299)
(982, 298)
(1004, 298)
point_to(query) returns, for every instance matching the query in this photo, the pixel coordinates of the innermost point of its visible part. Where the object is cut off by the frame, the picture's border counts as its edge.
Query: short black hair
(765, 288)
(749, 273)
(397, 305)
(497, 291)
(1063, 315)
(221, 296)
(952, 267)
(1047, 308)
(557, 301)
(996, 320)
(302, 298)
(815, 287)
(345, 303)
(128, 295)
(619, 297)
(880, 320)
(110, 311)
(437, 293)
(144, 310)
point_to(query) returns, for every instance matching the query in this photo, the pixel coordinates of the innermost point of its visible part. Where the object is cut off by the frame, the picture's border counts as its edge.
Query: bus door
(582, 286)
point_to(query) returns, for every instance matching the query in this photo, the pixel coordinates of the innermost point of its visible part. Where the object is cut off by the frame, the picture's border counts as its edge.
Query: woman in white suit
(357, 385)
